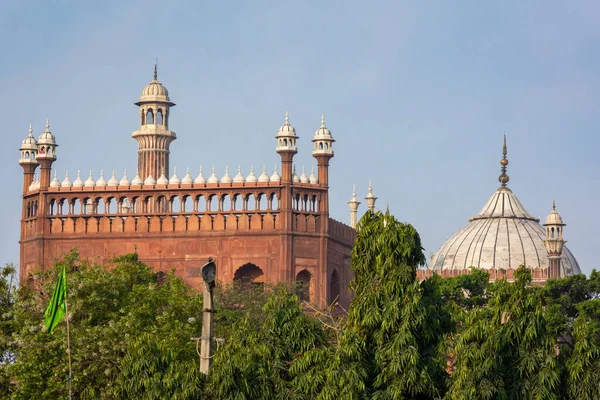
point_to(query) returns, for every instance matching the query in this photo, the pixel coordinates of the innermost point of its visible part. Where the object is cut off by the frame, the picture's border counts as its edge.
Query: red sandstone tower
(258, 228)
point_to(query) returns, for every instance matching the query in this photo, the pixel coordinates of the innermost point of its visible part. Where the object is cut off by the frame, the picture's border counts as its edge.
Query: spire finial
(156, 70)
(370, 186)
(287, 117)
(30, 129)
(503, 178)
(323, 119)
(553, 205)
(47, 123)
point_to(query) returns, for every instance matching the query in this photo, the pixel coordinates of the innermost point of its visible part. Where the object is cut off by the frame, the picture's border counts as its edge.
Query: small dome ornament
(35, 184)
(295, 177)
(187, 179)
(124, 180)
(47, 137)
(554, 217)
(113, 180)
(503, 178)
(90, 182)
(264, 178)
(286, 137)
(323, 141)
(313, 179)
(78, 181)
(55, 182)
(200, 179)
(162, 180)
(174, 180)
(155, 92)
(149, 181)
(239, 178)
(29, 143)
(303, 177)
(137, 180)
(213, 178)
(276, 177)
(66, 182)
(101, 182)
(251, 178)
(226, 179)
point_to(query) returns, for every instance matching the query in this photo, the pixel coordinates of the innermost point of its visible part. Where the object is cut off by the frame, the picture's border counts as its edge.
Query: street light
(209, 272)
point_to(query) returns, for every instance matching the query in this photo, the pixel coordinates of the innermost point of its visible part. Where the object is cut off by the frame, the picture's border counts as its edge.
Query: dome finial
(30, 129)
(287, 117)
(503, 178)
(156, 70)
(47, 123)
(553, 204)
(323, 119)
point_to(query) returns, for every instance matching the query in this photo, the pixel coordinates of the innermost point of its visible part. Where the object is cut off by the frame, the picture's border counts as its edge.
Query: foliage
(254, 363)
(506, 350)
(390, 342)
(113, 312)
(454, 338)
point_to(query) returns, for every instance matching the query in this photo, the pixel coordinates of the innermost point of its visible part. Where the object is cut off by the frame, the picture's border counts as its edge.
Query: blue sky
(417, 95)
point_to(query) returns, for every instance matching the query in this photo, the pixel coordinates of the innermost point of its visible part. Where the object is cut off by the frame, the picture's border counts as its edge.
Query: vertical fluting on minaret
(554, 242)
(353, 203)
(154, 137)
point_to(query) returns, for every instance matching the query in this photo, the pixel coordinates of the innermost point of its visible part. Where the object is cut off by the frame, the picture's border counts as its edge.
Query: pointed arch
(334, 287)
(303, 280)
(249, 275)
(149, 116)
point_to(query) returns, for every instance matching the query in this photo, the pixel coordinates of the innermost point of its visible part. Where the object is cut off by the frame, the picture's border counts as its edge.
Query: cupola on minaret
(286, 148)
(46, 155)
(28, 159)
(323, 151)
(370, 197)
(554, 242)
(154, 136)
(353, 203)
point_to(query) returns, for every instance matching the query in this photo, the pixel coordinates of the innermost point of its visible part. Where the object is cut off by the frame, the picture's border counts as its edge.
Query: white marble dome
(503, 235)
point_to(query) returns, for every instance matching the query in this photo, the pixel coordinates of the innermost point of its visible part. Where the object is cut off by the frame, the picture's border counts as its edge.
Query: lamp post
(209, 271)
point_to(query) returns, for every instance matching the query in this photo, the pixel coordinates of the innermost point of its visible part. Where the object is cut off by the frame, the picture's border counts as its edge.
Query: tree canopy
(442, 338)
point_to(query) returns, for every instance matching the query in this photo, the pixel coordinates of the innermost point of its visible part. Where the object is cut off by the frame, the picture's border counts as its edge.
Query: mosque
(266, 228)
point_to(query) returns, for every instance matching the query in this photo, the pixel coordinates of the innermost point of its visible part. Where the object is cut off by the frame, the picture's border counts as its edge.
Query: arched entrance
(249, 275)
(303, 285)
(334, 287)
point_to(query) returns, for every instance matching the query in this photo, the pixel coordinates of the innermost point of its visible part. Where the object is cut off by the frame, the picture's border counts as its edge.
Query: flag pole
(69, 348)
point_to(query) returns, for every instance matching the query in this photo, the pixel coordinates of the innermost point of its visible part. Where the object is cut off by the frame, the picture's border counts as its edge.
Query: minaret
(154, 136)
(323, 152)
(370, 198)
(46, 155)
(286, 147)
(28, 159)
(353, 203)
(554, 242)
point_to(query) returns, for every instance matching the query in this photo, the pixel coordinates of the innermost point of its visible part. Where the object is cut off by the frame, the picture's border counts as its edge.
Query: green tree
(114, 312)
(255, 360)
(584, 363)
(506, 350)
(390, 344)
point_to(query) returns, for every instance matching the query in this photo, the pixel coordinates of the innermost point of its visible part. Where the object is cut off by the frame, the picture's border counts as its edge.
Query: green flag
(57, 308)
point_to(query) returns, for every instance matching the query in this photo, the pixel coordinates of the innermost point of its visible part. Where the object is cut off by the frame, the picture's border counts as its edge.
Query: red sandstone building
(259, 228)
